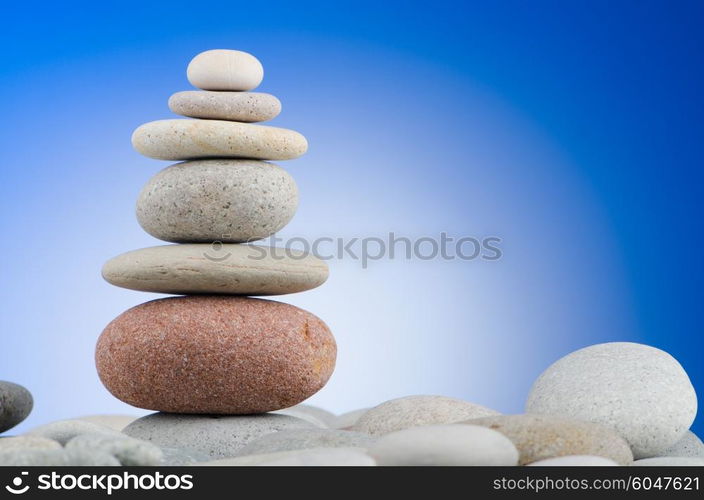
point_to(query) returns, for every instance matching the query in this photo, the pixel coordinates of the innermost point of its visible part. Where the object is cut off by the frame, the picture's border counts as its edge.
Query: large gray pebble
(412, 411)
(689, 446)
(127, 450)
(445, 445)
(640, 391)
(65, 430)
(349, 457)
(670, 462)
(300, 439)
(28, 443)
(212, 435)
(43, 457)
(15, 405)
(230, 201)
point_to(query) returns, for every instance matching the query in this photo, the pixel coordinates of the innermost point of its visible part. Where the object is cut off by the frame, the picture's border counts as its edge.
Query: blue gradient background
(572, 130)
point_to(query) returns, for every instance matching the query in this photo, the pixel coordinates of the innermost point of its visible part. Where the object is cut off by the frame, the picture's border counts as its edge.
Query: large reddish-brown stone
(218, 355)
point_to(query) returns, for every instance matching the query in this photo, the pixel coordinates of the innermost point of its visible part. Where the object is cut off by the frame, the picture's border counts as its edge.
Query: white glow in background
(416, 149)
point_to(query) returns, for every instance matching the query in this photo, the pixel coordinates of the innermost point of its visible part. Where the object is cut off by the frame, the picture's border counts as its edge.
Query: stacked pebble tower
(214, 350)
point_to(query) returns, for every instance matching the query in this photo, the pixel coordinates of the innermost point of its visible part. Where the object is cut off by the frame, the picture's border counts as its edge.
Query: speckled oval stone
(640, 391)
(235, 106)
(412, 411)
(215, 354)
(184, 139)
(15, 404)
(538, 437)
(230, 201)
(216, 269)
(225, 69)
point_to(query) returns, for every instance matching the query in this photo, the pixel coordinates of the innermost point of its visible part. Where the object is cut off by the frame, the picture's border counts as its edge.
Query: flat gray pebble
(212, 435)
(349, 457)
(15, 405)
(300, 439)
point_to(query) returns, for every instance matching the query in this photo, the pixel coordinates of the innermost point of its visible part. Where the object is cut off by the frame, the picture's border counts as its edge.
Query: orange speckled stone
(214, 354)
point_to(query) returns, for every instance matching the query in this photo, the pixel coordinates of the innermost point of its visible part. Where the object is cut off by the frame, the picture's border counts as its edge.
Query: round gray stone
(15, 405)
(349, 457)
(187, 139)
(412, 411)
(301, 439)
(640, 391)
(129, 451)
(227, 268)
(689, 446)
(235, 106)
(214, 436)
(538, 437)
(229, 201)
(450, 445)
(65, 430)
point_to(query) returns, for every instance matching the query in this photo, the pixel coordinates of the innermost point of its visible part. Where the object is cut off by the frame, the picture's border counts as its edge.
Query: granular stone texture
(689, 446)
(412, 411)
(236, 106)
(640, 391)
(217, 200)
(185, 139)
(215, 355)
(538, 437)
(15, 405)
